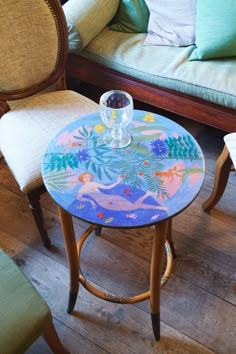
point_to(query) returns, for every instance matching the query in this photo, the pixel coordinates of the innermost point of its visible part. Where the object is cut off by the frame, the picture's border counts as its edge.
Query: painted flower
(99, 128)
(82, 155)
(140, 173)
(149, 117)
(127, 192)
(145, 162)
(159, 147)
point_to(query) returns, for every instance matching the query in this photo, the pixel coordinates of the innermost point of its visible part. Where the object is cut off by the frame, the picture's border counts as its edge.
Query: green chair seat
(24, 314)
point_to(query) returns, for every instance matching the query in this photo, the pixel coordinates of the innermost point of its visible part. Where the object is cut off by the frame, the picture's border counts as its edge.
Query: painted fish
(107, 221)
(155, 217)
(131, 216)
(168, 174)
(80, 206)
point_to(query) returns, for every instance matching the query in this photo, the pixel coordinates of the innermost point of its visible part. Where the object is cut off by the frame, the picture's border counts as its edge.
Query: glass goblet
(116, 111)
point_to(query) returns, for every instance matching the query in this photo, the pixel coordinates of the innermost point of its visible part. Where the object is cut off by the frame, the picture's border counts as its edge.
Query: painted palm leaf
(60, 180)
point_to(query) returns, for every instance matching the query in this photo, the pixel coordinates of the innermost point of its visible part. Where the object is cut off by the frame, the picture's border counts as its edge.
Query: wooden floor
(198, 313)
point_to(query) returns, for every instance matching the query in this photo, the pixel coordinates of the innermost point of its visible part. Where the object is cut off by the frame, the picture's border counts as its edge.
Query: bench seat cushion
(168, 67)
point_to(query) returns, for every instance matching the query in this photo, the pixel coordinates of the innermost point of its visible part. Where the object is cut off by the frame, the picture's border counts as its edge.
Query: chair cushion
(24, 314)
(132, 16)
(215, 29)
(89, 17)
(26, 130)
(171, 22)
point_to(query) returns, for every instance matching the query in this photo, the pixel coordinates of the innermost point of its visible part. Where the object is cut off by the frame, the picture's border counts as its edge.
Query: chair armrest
(88, 17)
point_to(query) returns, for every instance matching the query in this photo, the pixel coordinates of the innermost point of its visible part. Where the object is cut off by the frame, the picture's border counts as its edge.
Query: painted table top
(154, 178)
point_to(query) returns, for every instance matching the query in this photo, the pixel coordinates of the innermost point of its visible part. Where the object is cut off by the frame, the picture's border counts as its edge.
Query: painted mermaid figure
(110, 201)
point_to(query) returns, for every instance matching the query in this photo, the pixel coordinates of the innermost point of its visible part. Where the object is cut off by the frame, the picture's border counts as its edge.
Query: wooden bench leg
(223, 168)
(53, 340)
(156, 274)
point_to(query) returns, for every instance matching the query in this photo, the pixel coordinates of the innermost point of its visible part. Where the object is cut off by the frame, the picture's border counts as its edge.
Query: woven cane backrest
(33, 43)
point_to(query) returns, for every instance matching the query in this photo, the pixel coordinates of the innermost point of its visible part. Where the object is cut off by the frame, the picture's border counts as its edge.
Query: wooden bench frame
(82, 69)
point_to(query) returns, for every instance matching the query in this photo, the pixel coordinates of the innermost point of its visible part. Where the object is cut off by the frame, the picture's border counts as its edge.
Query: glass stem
(116, 134)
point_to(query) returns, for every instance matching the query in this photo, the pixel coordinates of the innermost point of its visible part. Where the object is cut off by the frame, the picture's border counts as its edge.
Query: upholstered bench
(165, 76)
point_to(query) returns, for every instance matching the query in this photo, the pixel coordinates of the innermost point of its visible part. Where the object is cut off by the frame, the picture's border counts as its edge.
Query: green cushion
(215, 29)
(132, 16)
(23, 313)
(75, 43)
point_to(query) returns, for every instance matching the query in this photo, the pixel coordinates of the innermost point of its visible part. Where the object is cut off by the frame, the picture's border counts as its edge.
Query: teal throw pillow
(215, 29)
(131, 16)
(75, 44)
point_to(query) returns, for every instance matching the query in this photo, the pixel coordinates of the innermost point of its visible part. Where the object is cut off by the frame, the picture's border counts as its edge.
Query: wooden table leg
(71, 249)
(223, 168)
(169, 237)
(159, 238)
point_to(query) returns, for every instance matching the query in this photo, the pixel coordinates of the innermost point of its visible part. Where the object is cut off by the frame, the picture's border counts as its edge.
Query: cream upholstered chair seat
(32, 124)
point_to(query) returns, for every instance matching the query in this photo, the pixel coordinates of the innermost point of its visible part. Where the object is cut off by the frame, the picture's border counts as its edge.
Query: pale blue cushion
(132, 16)
(215, 29)
(74, 39)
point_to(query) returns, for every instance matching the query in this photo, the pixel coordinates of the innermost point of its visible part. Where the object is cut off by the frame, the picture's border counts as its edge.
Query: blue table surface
(154, 178)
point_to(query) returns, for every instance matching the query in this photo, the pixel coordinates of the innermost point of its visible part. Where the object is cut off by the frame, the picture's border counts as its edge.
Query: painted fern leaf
(60, 180)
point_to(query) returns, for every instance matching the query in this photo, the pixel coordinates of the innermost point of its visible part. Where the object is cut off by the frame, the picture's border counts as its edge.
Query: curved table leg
(71, 249)
(223, 167)
(169, 237)
(160, 235)
(98, 231)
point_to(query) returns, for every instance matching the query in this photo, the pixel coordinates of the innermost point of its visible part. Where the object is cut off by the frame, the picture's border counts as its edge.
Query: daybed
(202, 90)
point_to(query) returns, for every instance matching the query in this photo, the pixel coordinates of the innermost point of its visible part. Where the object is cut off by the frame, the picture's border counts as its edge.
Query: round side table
(147, 183)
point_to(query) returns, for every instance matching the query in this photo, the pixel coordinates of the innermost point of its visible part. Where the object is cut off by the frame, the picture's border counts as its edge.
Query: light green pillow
(131, 16)
(215, 29)
(75, 44)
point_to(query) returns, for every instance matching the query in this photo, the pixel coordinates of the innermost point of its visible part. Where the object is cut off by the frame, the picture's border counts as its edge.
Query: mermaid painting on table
(115, 201)
(112, 201)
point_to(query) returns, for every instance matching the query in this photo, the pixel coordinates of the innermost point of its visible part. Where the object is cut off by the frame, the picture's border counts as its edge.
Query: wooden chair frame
(223, 168)
(57, 78)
